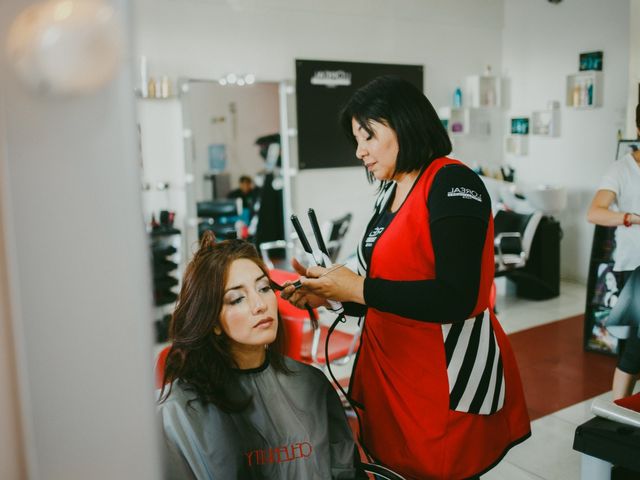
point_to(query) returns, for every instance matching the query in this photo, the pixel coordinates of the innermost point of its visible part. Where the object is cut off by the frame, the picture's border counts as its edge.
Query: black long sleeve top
(458, 231)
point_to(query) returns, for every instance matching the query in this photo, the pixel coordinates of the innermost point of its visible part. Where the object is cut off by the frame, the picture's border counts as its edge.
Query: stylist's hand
(301, 298)
(336, 283)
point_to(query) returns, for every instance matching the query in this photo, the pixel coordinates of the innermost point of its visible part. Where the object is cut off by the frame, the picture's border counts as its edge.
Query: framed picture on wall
(322, 88)
(590, 61)
(520, 126)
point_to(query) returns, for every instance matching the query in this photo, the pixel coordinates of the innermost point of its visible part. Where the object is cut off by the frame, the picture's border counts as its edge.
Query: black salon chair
(219, 216)
(513, 237)
(527, 251)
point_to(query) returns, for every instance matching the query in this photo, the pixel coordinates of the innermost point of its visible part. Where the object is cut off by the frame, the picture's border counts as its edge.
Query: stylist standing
(620, 188)
(435, 382)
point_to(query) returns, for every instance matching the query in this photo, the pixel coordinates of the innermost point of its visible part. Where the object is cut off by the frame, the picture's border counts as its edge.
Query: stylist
(435, 383)
(620, 189)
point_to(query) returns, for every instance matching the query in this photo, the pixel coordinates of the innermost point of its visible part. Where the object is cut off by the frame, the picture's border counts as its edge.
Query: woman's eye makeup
(235, 300)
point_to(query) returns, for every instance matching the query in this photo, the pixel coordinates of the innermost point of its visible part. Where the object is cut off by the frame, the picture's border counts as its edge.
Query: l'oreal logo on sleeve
(465, 193)
(329, 78)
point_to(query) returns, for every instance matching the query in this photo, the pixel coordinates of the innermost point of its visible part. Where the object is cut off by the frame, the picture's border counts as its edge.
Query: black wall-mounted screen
(322, 88)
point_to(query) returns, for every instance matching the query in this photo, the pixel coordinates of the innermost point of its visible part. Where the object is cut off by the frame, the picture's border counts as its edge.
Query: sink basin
(547, 198)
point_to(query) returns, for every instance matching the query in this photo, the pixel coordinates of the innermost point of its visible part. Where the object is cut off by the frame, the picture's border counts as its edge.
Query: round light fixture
(66, 47)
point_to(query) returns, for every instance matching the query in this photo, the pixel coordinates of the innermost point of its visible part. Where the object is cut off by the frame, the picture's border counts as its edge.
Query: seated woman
(232, 406)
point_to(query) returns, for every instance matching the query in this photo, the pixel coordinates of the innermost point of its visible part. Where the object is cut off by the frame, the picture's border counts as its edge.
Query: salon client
(232, 407)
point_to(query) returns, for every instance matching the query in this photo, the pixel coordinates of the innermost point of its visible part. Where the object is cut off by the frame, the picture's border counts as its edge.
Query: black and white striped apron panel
(381, 201)
(474, 366)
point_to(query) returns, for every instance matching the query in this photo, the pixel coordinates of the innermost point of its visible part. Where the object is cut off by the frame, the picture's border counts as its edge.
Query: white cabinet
(546, 123)
(517, 144)
(465, 121)
(584, 90)
(483, 91)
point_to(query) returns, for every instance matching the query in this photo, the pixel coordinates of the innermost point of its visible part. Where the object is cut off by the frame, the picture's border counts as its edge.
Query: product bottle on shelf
(144, 83)
(165, 87)
(490, 99)
(151, 90)
(589, 92)
(457, 98)
(576, 95)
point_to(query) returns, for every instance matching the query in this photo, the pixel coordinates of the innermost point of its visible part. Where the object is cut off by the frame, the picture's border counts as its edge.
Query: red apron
(435, 400)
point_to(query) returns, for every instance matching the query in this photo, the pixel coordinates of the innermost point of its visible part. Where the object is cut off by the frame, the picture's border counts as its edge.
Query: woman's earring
(217, 331)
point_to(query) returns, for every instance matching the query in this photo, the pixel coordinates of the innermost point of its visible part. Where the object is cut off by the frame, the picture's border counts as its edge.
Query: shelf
(160, 99)
(546, 123)
(483, 91)
(517, 144)
(584, 90)
(465, 121)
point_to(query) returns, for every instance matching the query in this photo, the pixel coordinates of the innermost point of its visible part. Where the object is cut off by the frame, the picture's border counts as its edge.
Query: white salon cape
(294, 428)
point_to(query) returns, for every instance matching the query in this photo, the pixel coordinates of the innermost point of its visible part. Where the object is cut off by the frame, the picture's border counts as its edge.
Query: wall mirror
(232, 132)
(195, 147)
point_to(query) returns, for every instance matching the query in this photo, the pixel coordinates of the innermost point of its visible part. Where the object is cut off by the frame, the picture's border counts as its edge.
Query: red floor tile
(556, 372)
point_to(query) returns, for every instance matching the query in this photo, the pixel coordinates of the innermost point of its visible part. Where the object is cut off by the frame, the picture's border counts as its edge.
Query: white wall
(78, 279)
(209, 38)
(541, 45)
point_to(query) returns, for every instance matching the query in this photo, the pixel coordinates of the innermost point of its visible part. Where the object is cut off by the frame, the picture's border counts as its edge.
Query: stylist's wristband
(626, 220)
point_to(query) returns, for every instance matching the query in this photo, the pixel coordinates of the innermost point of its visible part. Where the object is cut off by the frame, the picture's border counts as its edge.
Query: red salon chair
(308, 345)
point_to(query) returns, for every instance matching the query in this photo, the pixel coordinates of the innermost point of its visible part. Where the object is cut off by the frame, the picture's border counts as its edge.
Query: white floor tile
(548, 453)
(508, 471)
(516, 314)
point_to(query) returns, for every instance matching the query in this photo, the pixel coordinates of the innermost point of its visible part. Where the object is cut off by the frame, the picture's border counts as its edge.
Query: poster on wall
(591, 61)
(603, 284)
(322, 88)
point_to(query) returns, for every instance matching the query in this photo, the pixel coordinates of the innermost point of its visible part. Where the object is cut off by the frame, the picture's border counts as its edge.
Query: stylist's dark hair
(198, 357)
(398, 104)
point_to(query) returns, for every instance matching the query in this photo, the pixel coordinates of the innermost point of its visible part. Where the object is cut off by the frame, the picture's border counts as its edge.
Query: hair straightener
(318, 256)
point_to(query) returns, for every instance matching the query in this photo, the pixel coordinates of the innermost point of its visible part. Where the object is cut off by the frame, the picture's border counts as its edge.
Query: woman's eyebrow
(237, 287)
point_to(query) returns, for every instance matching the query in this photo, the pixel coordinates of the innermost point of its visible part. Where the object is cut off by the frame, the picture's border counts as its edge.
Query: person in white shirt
(617, 204)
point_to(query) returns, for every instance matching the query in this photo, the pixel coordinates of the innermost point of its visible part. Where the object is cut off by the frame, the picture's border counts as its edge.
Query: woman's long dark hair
(198, 357)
